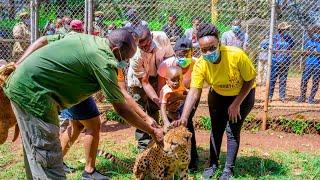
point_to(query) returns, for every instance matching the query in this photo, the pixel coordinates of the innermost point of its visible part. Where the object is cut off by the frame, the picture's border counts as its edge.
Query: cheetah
(162, 163)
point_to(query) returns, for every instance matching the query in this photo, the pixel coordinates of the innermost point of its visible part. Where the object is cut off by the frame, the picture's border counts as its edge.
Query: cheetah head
(176, 140)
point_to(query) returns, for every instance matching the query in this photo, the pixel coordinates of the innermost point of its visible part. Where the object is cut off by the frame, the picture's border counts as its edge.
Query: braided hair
(207, 29)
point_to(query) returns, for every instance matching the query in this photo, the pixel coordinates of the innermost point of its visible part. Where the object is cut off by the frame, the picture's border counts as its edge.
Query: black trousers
(218, 108)
(190, 127)
(149, 107)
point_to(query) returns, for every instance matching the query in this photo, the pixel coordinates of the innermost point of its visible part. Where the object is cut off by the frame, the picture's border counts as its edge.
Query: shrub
(112, 115)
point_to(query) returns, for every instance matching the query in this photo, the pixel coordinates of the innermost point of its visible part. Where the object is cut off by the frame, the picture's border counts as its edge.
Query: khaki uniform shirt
(22, 32)
(98, 30)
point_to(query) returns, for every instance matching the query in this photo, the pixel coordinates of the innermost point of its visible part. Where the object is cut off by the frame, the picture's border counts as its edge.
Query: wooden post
(270, 51)
(214, 11)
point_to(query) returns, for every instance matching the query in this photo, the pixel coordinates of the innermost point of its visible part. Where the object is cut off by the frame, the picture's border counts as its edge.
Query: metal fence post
(86, 17)
(89, 16)
(34, 20)
(270, 51)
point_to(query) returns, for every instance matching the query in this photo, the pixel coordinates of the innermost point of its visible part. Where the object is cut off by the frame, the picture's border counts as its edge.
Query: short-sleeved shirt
(63, 74)
(163, 68)
(148, 63)
(282, 42)
(240, 40)
(226, 77)
(173, 98)
(132, 80)
(314, 46)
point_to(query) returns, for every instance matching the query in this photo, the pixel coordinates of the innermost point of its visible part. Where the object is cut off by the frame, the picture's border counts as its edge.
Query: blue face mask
(122, 64)
(98, 19)
(236, 29)
(212, 57)
(184, 62)
(50, 32)
(27, 21)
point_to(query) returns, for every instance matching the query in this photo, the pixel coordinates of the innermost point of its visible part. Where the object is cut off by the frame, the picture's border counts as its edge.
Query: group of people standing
(144, 77)
(63, 71)
(283, 44)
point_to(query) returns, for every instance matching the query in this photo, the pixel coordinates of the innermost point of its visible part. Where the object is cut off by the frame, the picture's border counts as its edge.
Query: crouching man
(60, 75)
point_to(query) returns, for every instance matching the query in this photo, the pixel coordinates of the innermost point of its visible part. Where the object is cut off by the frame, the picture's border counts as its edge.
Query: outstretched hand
(153, 123)
(180, 122)
(157, 136)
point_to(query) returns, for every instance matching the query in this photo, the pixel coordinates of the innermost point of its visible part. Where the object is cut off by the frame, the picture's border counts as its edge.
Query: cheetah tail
(114, 159)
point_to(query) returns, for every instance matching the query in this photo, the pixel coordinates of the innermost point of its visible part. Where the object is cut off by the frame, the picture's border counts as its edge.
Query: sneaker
(67, 169)
(226, 175)
(95, 175)
(301, 99)
(312, 101)
(193, 166)
(209, 172)
(282, 100)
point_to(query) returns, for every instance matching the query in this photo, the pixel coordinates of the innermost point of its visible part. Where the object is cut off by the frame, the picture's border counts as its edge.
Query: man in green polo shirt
(58, 76)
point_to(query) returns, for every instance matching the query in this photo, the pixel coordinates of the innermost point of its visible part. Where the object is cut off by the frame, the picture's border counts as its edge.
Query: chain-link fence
(294, 48)
(296, 24)
(13, 36)
(295, 60)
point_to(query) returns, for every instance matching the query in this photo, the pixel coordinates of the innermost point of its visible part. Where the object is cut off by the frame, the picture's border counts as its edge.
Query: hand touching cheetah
(162, 163)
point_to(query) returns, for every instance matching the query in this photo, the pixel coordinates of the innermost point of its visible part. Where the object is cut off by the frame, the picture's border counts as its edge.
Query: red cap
(76, 25)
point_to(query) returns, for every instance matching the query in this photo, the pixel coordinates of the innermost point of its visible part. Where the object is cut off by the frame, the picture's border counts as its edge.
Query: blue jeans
(310, 70)
(279, 70)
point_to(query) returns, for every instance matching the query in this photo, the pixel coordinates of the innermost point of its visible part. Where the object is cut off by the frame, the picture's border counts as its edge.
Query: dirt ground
(265, 141)
(290, 109)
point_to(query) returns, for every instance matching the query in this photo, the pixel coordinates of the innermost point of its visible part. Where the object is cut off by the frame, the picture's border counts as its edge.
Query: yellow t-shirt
(227, 77)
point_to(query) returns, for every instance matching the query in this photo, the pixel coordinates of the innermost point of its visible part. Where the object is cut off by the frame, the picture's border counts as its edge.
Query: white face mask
(122, 63)
(67, 27)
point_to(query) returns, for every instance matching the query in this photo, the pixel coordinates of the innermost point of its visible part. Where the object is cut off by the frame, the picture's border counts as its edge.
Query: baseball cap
(284, 25)
(98, 13)
(183, 44)
(76, 25)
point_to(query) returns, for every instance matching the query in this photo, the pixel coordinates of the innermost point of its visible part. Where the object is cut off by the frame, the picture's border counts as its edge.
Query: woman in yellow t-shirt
(230, 74)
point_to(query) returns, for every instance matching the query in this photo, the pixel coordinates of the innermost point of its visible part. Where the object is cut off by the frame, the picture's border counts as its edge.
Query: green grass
(251, 163)
(112, 115)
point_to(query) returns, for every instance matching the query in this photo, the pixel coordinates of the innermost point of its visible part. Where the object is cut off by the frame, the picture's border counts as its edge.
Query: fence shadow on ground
(246, 166)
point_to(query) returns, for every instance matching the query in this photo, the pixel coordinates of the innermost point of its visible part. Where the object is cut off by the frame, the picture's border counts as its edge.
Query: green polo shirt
(64, 73)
